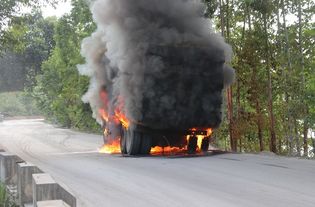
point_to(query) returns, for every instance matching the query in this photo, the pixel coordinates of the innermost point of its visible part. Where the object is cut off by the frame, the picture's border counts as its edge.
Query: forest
(270, 106)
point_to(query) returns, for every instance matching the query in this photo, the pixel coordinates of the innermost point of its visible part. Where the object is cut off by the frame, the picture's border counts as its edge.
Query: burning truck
(157, 72)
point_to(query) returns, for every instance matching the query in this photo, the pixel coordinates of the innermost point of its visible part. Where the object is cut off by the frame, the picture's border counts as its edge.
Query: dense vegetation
(18, 104)
(271, 106)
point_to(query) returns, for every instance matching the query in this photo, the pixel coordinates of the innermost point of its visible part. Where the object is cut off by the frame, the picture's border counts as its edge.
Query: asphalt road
(100, 180)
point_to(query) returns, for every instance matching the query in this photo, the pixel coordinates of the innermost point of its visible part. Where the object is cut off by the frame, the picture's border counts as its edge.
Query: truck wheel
(205, 144)
(133, 141)
(146, 144)
(123, 135)
(192, 145)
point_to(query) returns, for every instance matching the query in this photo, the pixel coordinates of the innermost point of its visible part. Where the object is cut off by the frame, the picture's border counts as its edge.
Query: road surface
(100, 180)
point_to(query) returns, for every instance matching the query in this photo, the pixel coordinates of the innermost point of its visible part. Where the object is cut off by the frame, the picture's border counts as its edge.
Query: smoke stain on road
(274, 165)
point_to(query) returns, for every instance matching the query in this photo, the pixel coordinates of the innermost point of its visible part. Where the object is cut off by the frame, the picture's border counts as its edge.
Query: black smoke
(162, 58)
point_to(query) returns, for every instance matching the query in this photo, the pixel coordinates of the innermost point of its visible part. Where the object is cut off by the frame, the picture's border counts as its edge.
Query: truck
(181, 104)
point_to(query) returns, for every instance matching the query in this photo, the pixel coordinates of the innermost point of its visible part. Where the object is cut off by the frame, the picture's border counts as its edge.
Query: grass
(3, 195)
(4, 199)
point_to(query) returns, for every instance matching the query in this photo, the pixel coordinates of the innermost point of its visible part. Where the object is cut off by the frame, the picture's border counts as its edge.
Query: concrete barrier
(28, 186)
(67, 197)
(45, 188)
(25, 172)
(8, 172)
(53, 203)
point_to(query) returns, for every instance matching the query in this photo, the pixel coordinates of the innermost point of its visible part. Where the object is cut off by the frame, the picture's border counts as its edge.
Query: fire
(199, 137)
(111, 148)
(103, 114)
(122, 118)
(118, 117)
(168, 149)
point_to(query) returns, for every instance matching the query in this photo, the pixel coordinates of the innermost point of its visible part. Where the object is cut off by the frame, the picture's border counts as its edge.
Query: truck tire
(133, 141)
(146, 144)
(123, 135)
(205, 144)
(192, 145)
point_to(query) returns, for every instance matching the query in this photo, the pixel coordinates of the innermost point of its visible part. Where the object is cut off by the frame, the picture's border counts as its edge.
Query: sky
(61, 9)
(65, 7)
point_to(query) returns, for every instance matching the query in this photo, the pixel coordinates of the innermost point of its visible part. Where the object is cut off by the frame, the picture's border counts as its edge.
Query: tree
(30, 38)
(272, 91)
(10, 8)
(59, 86)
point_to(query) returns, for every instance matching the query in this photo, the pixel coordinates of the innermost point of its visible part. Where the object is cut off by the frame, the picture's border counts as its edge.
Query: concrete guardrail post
(45, 188)
(54, 203)
(25, 172)
(8, 173)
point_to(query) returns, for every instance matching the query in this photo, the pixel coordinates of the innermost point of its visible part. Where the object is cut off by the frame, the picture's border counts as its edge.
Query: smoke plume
(148, 54)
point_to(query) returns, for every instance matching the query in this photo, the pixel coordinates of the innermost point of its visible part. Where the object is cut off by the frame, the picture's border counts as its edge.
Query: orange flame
(200, 137)
(161, 150)
(103, 114)
(111, 148)
(169, 150)
(120, 118)
(120, 115)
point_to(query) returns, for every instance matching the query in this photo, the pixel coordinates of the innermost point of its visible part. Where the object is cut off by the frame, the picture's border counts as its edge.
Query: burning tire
(192, 145)
(205, 144)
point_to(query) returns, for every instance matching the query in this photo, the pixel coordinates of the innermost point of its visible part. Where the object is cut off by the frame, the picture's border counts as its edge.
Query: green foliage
(59, 86)
(30, 43)
(9, 9)
(211, 7)
(262, 6)
(4, 200)
(18, 104)
(2, 195)
(257, 33)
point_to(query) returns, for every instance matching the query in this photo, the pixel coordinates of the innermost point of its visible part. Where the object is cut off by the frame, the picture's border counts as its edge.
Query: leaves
(59, 86)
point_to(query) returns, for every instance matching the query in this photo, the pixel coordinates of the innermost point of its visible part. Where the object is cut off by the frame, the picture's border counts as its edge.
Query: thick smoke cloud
(124, 54)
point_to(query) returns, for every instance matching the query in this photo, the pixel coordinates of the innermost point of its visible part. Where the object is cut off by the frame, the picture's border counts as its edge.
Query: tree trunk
(225, 24)
(287, 74)
(259, 127)
(238, 84)
(305, 124)
(297, 139)
(230, 117)
(305, 144)
(273, 145)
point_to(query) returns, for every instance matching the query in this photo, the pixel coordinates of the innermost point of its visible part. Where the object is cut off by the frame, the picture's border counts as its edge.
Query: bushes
(59, 87)
(18, 104)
